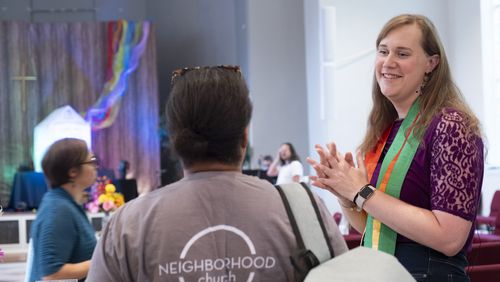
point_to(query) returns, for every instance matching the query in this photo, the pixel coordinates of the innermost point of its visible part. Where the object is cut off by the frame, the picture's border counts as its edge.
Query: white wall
(357, 26)
(465, 52)
(276, 67)
(466, 60)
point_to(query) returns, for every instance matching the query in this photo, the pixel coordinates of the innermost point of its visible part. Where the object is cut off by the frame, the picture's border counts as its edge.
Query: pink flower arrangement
(103, 197)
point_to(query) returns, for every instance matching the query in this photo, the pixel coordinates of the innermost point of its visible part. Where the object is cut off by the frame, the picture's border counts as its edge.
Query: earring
(424, 82)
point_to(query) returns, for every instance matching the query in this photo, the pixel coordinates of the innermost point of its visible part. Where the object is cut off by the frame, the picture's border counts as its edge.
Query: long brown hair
(438, 93)
(293, 154)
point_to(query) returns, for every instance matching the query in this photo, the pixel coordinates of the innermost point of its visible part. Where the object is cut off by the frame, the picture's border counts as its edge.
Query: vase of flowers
(104, 198)
(110, 200)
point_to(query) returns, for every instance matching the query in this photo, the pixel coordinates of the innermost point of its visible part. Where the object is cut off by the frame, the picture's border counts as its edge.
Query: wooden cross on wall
(23, 78)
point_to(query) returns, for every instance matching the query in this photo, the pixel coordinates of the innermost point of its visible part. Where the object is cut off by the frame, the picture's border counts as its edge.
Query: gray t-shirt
(209, 226)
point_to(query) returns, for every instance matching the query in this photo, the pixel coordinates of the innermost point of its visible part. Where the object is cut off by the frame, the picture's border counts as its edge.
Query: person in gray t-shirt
(216, 224)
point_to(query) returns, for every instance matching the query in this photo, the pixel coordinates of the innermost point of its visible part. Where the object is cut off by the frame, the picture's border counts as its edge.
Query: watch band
(363, 195)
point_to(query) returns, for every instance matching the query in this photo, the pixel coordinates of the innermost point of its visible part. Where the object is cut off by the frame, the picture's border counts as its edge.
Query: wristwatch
(364, 194)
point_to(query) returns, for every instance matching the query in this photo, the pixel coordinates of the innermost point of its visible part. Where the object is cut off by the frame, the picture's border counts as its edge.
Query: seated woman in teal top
(63, 238)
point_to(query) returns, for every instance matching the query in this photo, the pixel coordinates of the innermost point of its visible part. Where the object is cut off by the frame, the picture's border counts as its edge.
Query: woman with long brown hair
(416, 188)
(286, 165)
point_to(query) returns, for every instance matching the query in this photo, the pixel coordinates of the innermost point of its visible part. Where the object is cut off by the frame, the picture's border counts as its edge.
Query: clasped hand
(337, 173)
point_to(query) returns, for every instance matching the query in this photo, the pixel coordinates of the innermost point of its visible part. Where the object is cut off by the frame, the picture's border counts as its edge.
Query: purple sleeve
(457, 166)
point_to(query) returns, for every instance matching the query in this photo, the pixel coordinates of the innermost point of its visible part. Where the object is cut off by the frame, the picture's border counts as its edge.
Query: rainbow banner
(126, 44)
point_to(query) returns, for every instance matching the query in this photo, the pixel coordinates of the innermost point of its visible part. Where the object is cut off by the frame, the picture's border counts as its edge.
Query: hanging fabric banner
(126, 44)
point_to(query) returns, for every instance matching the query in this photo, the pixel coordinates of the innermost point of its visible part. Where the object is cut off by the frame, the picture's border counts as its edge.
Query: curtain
(49, 65)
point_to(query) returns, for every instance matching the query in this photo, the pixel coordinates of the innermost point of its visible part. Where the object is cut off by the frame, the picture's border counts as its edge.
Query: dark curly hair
(207, 112)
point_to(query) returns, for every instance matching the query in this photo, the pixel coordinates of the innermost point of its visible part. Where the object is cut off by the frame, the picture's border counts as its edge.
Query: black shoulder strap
(320, 218)
(307, 224)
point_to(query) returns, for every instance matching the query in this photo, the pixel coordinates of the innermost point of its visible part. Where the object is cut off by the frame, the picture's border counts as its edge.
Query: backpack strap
(313, 244)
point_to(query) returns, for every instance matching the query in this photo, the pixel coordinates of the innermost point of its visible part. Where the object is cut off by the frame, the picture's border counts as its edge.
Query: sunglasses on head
(180, 72)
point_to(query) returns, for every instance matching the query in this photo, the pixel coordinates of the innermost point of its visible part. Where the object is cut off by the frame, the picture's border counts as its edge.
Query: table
(27, 190)
(15, 231)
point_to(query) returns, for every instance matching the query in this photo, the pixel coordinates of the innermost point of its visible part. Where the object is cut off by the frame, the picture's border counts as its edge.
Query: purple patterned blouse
(446, 173)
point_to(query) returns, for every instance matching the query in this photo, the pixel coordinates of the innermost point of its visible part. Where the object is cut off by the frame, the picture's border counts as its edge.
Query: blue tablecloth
(27, 190)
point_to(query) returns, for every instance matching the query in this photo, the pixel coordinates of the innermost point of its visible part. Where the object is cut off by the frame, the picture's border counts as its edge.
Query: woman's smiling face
(401, 64)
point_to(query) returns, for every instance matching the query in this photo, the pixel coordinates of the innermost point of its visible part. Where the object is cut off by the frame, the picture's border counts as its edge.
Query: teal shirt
(61, 233)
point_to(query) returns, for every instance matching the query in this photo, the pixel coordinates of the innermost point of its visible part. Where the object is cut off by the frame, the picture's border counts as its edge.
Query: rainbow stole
(392, 174)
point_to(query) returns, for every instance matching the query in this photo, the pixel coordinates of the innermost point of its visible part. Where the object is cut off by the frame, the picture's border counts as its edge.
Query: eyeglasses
(93, 161)
(180, 72)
